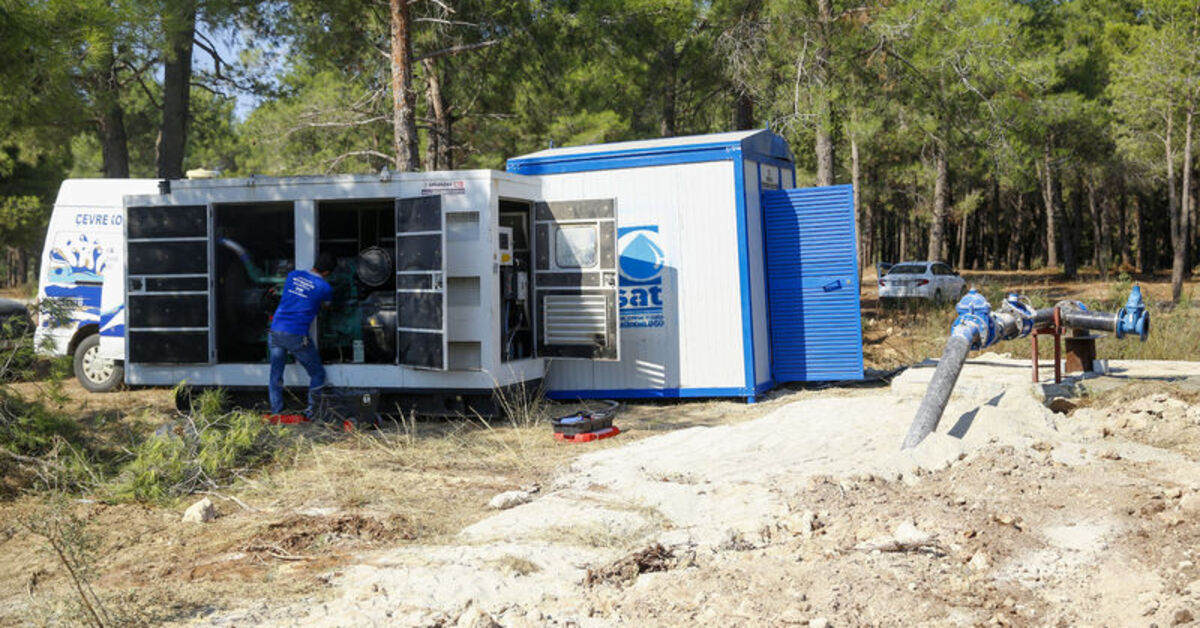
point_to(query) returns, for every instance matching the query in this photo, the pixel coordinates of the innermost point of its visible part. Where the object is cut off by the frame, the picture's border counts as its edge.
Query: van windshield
(907, 269)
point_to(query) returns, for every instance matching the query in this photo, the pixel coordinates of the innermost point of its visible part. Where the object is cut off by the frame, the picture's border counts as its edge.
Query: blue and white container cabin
(731, 280)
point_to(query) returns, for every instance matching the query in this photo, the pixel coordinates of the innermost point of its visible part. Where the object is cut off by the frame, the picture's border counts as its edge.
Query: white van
(82, 261)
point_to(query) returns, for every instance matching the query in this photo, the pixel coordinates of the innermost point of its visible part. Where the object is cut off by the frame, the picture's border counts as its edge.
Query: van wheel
(938, 300)
(96, 374)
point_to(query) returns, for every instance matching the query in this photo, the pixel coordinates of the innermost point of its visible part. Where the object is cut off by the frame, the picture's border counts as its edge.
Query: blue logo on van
(76, 259)
(642, 262)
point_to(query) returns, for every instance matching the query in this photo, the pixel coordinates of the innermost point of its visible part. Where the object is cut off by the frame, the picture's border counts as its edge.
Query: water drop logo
(642, 259)
(643, 264)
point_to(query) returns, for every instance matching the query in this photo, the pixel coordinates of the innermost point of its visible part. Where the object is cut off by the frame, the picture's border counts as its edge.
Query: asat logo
(641, 264)
(642, 259)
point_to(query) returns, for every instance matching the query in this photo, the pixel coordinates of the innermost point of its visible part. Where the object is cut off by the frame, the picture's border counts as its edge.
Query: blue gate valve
(1134, 319)
(975, 322)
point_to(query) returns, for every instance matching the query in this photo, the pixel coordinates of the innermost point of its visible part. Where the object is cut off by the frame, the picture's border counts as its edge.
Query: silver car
(934, 281)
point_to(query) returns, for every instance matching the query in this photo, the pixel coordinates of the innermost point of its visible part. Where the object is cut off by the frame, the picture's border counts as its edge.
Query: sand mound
(712, 491)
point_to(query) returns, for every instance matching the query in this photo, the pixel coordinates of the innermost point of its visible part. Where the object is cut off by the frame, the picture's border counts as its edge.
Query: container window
(576, 247)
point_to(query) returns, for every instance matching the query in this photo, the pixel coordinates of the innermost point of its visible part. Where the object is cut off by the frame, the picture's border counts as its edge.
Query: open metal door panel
(575, 279)
(168, 288)
(421, 339)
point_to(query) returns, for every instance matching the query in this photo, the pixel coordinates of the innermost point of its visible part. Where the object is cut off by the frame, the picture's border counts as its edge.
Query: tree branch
(149, 93)
(358, 153)
(453, 50)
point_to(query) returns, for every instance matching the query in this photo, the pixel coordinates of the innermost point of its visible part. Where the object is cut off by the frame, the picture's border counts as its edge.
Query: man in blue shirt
(303, 294)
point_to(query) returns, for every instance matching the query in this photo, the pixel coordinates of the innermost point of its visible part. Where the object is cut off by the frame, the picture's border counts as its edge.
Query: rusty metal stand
(1080, 348)
(1056, 331)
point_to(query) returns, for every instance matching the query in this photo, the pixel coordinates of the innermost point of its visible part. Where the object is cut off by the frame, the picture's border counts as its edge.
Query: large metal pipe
(938, 393)
(978, 327)
(1086, 319)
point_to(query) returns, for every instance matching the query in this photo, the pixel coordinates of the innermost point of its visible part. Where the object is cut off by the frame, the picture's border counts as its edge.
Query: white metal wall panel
(753, 175)
(688, 213)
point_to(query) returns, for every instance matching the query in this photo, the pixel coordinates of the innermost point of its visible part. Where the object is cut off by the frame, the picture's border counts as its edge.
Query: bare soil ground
(1028, 532)
(282, 530)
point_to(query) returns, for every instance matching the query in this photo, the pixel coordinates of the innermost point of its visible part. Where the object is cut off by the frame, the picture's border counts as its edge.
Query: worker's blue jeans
(302, 347)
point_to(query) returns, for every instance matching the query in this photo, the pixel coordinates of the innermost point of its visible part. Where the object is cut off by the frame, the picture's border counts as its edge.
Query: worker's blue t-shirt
(303, 294)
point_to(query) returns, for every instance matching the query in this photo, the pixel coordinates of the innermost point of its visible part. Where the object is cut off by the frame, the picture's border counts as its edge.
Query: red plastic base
(293, 419)
(585, 437)
(285, 419)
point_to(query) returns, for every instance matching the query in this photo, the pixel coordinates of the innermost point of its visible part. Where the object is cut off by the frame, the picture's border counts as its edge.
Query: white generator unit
(449, 285)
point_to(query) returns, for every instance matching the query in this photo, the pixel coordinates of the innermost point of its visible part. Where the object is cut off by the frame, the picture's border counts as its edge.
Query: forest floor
(793, 510)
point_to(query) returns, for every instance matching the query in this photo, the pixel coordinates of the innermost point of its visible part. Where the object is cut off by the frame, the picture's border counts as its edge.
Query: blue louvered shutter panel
(812, 284)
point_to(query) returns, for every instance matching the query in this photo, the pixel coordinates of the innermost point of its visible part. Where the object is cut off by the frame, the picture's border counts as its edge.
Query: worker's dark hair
(326, 262)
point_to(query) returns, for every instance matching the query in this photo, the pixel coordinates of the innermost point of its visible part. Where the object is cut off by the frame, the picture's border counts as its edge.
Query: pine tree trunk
(937, 226)
(856, 187)
(1186, 209)
(1178, 241)
(1071, 225)
(439, 138)
(1123, 227)
(997, 220)
(824, 139)
(1106, 246)
(743, 111)
(1139, 233)
(1016, 235)
(180, 25)
(114, 145)
(404, 119)
(670, 68)
(962, 243)
(1049, 195)
(23, 266)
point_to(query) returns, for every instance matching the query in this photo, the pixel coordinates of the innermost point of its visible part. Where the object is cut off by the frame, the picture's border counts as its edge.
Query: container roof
(650, 152)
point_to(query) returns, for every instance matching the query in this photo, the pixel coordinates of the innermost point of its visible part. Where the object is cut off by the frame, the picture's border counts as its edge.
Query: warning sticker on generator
(429, 188)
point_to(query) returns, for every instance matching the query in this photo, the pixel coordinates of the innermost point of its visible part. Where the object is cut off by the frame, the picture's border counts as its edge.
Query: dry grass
(515, 565)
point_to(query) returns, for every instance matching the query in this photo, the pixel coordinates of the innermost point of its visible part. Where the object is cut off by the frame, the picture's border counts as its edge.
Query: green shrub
(202, 451)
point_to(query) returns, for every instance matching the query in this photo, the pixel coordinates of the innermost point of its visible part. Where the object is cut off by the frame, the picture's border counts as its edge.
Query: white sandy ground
(702, 486)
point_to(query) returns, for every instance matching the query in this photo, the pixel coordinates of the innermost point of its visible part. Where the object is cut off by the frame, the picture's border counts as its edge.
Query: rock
(475, 618)
(805, 523)
(1173, 493)
(793, 617)
(818, 622)
(1190, 502)
(509, 499)
(202, 511)
(1148, 604)
(979, 561)
(1181, 616)
(1062, 405)
(907, 534)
